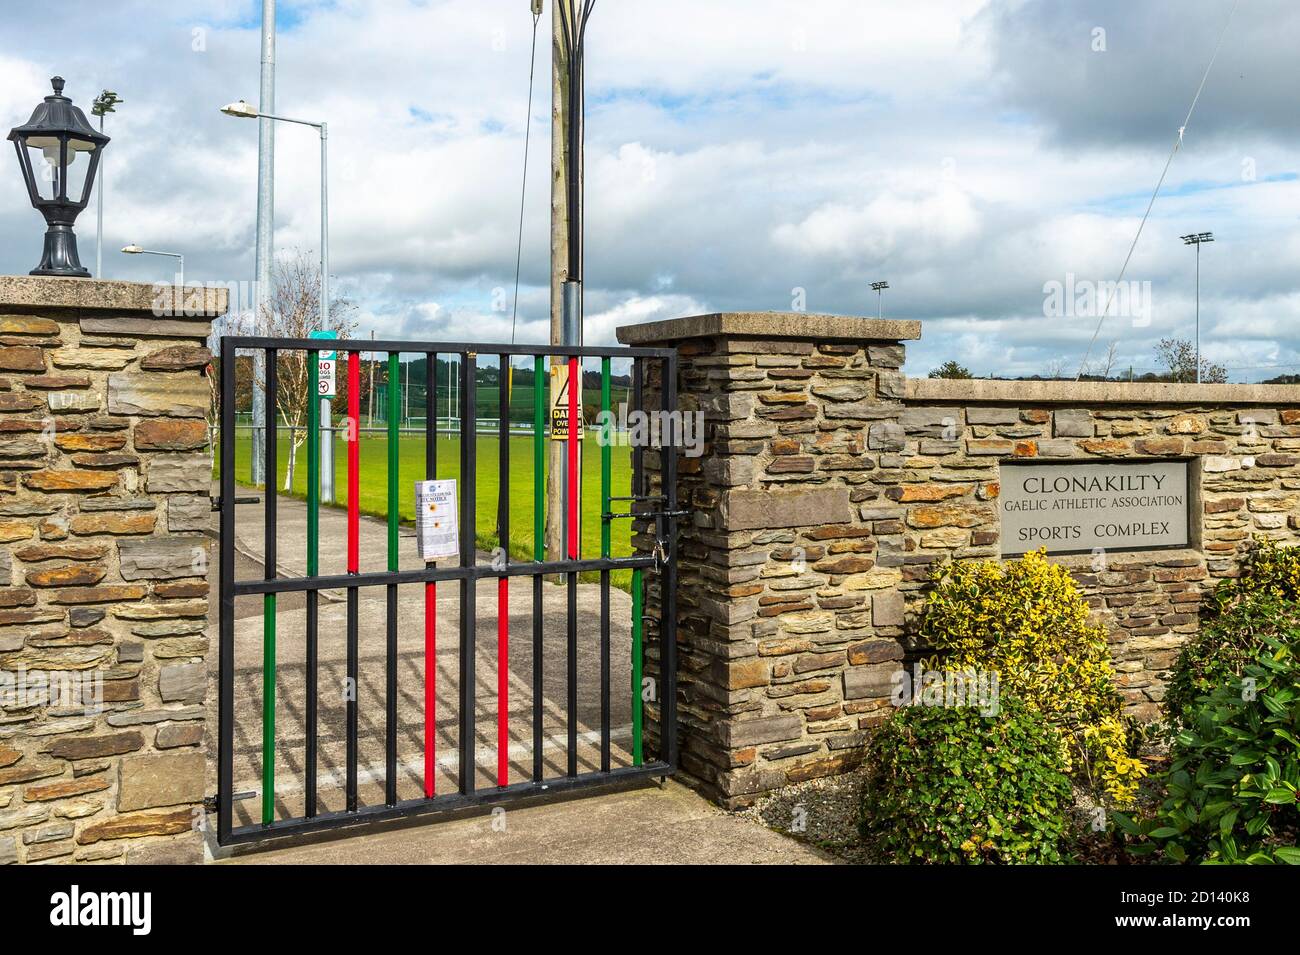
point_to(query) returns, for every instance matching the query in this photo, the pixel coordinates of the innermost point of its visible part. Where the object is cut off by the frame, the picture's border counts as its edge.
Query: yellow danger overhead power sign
(560, 403)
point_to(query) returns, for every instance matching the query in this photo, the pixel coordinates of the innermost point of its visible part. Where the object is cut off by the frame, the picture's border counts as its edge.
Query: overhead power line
(523, 188)
(1172, 153)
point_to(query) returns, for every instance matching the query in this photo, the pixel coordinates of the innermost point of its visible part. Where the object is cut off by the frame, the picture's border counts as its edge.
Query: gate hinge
(210, 803)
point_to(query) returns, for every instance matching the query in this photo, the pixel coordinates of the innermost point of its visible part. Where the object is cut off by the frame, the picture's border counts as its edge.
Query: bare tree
(1108, 363)
(1055, 369)
(222, 325)
(294, 312)
(1178, 355)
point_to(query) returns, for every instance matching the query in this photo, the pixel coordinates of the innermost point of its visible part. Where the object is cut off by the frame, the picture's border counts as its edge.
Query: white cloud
(961, 149)
(882, 228)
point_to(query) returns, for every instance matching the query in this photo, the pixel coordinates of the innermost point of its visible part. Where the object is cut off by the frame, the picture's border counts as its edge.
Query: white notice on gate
(435, 519)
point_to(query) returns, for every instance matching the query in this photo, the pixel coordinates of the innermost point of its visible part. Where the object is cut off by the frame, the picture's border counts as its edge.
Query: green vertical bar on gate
(636, 667)
(268, 600)
(606, 439)
(394, 412)
(268, 699)
(313, 464)
(539, 458)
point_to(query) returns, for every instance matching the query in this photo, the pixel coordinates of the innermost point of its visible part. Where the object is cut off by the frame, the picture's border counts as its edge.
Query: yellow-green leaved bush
(1026, 620)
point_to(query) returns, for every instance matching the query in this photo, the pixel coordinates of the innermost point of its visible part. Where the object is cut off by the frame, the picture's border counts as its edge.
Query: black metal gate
(336, 799)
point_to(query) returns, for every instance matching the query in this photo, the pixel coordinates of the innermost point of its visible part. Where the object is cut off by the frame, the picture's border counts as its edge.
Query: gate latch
(212, 803)
(660, 551)
(247, 499)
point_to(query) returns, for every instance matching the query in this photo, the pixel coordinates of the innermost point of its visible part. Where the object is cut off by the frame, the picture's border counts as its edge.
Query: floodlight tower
(879, 289)
(1198, 239)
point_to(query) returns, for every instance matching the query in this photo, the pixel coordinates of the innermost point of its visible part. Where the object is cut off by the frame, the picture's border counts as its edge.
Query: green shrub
(1266, 569)
(1225, 645)
(1235, 770)
(946, 784)
(1264, 600)
(1026, 620)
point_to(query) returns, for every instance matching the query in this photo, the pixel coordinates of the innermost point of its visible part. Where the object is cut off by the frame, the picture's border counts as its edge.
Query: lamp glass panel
(43, 153)
(80, 154)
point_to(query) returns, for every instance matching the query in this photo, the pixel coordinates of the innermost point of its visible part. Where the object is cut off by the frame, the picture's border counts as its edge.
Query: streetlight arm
(180, 258)
(174, 255)
(243, 110)
(289, 119)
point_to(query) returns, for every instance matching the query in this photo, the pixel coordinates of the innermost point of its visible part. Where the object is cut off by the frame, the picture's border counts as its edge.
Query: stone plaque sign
(1068, 508)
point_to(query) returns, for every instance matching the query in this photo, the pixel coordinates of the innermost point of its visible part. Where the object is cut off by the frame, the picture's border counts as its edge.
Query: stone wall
(104, 509)
(830, 486)
(1244, 445)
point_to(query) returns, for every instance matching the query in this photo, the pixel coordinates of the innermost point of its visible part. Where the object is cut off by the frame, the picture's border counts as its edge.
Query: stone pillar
(104, 512)
(789, 614)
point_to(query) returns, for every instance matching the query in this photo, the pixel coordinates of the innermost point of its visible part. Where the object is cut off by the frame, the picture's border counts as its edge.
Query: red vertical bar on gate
(430, 682)
(354, 459)
(575, 385)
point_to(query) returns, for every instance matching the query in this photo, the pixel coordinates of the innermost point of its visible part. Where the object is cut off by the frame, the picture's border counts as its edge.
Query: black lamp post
(56, 134)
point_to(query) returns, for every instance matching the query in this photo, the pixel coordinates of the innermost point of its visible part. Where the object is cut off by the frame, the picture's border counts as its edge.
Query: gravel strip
(821, 812)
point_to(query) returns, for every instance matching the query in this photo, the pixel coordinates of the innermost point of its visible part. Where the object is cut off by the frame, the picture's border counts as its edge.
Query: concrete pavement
(651, 825)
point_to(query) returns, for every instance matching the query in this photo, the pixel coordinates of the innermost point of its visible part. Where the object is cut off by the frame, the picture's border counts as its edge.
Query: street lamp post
(879, 289)
(103, 104)
(245, 110)
(180, 265)
(263, 254)
(1198, 239)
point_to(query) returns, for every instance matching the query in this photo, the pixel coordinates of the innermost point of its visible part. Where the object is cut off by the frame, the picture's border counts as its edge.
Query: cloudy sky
(980, 155)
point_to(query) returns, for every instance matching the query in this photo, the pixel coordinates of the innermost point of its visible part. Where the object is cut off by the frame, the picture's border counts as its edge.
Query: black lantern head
(59, 181)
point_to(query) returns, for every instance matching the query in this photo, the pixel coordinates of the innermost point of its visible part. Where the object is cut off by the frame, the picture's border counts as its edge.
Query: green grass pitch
(374, 486)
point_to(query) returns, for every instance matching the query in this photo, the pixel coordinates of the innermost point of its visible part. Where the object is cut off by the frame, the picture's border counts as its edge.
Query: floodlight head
(879, 286)
(241, 109)
(132, 250)
(105, 102)
(1196, 238)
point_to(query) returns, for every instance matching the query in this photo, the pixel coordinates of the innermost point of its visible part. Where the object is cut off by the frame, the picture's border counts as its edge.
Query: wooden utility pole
(560, 159)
